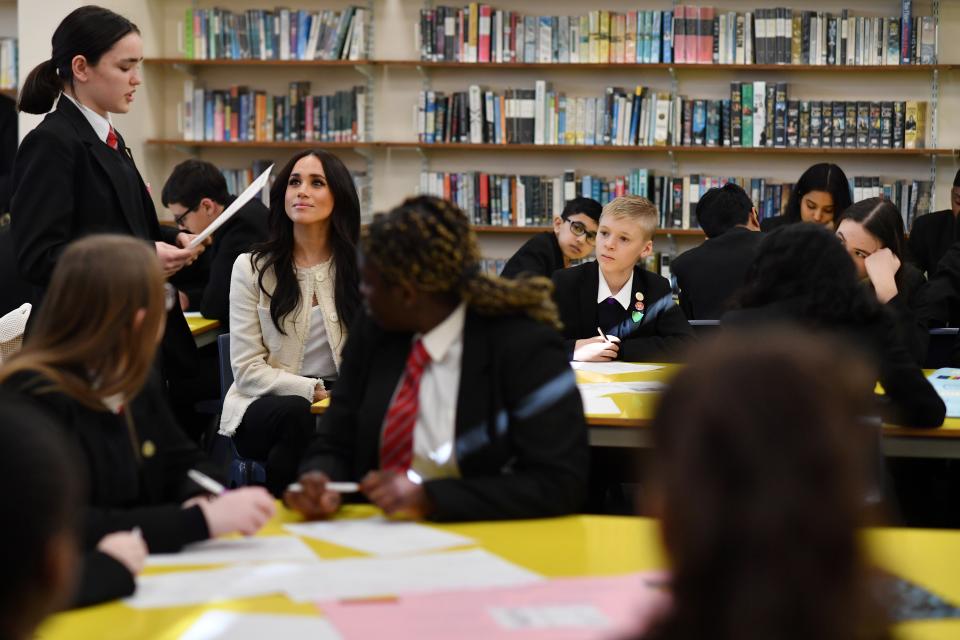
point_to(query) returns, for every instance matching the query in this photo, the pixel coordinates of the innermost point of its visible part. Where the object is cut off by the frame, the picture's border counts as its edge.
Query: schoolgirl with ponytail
(73, 174)
(455, 400)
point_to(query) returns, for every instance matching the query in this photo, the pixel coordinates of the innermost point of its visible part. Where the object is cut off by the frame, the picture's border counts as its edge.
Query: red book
(680, 33)
(692, 39)
(705, 35)
(308, 108)
(483, 39)
(485, 198)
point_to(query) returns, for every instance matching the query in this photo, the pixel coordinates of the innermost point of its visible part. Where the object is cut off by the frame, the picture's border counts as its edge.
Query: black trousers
(276, 430)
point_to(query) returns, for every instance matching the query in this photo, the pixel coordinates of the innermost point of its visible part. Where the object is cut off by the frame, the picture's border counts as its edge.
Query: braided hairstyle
(428, 242)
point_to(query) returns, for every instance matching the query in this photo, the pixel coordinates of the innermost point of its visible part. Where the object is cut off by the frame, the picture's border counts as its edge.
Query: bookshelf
(393, 159)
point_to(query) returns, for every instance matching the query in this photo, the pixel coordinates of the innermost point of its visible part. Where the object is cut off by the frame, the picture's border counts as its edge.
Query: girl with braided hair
(455, 400)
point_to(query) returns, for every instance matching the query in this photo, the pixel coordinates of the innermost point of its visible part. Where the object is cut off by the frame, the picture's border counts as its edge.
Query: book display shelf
(437, 106)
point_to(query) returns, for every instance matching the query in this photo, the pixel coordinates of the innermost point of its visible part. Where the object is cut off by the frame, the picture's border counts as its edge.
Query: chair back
(12, 326)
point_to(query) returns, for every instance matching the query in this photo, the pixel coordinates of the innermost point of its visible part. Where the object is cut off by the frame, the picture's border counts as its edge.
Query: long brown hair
(429, 242)
(83, 340)
(761, 475)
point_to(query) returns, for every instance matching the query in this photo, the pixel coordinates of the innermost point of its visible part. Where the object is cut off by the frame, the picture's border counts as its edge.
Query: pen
(605, 338)
(206, 482)
(336, 487)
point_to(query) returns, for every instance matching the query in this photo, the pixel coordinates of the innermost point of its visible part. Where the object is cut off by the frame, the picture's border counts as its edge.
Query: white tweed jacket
(265, 361)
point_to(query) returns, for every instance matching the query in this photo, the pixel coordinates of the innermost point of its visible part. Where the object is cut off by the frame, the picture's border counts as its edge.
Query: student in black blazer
(455, 400)
(872, 233)
(803, 275)
(196, 194)
(73, 174)
(710, 274)
(40, 509)
(92, 371)
(932, 234)
(633, 307)
(573, 237)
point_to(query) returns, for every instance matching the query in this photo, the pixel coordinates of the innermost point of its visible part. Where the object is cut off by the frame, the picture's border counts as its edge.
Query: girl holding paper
(291, 301)
(73, 174)
(92, 372)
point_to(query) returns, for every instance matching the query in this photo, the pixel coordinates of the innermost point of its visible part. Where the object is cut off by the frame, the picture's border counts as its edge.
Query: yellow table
(630, 428)
(203, 329)
(556, 547)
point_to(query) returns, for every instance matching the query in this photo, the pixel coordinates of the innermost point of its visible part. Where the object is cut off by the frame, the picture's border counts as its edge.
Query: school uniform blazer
(774, 223)
(908, 311)
(660, 335)
(930, 237)
(710, 274)
(264, 360)
(126, 489)
(520, 437)
(211, 293)
(909, 399)
(67, 183)
(539, 256)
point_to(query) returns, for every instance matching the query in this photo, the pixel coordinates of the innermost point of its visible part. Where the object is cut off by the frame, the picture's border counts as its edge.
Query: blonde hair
(428, 242)
(83, 340)
(635, 208)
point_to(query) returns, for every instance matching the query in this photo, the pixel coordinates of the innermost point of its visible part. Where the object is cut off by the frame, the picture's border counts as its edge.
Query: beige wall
(396, 172)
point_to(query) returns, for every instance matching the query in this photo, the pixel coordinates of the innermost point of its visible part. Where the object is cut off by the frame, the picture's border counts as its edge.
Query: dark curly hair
(428, 242)
(805, 265)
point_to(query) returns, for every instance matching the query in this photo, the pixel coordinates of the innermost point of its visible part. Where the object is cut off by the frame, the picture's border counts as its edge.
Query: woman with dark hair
(291, 301)
(89, 365)
(821, 194)
(760, 503)
(802, 275)
(74, 176)
(456, 400)
(872, 233)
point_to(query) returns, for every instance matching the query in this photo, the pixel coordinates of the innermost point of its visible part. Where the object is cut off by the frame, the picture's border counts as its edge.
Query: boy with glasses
(573, 238)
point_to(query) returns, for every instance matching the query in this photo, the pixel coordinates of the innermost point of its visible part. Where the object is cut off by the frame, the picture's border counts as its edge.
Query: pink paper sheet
(560, 609)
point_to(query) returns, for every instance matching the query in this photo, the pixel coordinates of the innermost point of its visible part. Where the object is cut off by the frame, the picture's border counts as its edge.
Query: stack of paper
(379, 536)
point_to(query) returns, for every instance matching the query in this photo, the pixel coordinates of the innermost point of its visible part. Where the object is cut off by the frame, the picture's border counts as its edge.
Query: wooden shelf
(587, 66)
(532, 230)
(460, 146)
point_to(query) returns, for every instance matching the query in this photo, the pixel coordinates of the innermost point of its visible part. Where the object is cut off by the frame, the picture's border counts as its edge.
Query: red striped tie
(112, 141)
(396, 443)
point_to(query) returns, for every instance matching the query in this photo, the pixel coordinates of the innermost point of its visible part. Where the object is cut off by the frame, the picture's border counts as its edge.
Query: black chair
(243, 471)
(703, 328)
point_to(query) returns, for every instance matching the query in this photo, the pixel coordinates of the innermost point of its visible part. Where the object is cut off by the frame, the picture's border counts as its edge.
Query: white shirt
(317, 356)
(101, 125)
(623, 296)
(434, 454)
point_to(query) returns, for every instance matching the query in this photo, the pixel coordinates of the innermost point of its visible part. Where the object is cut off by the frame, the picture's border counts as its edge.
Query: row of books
(281, 34)
(757, 114)
(239, 114)
(8, 63)
(491, 199)
(686, 34)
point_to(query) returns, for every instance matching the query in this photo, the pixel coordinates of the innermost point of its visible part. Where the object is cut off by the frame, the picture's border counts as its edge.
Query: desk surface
(199, 325)
(556, 547)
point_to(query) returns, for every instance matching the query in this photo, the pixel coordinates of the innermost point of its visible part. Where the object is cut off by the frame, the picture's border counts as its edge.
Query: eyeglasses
(580, 229)
(178, 220)
(170, 296)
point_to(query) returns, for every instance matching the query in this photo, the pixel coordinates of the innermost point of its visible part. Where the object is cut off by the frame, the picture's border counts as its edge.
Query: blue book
(497, 131)
(586, 187)
(562, 117)
(615, 117)
(667, 40)
(208, 108)
(505, 201)
(303, 32)
(655, 16)
(635, 118)
(431, 116)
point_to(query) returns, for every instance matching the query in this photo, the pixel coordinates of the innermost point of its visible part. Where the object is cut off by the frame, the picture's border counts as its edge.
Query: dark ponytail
(89, 32)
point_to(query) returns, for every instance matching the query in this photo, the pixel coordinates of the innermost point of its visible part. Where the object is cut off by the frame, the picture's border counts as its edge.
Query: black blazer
(770, 224)
(660, 336)
(709, 275)
(521, 441)
(908, 310)
(930, 237)
(910, 399)
(67, 183)
(209, 280)
(539, 256)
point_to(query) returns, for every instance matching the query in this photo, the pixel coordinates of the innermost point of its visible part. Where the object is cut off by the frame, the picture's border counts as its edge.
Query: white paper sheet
(370, 577)
(946, 381)
(595, 406)
(183, 588)
(228, 625)
(598, 389)
(557, 616)
(192, 314)
(379, 536)
(614, 367)
(237, 550)
(248, 194)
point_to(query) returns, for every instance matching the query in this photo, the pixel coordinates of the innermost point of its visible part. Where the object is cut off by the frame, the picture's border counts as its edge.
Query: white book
(199, 114)
(574, 41)
(545, 44)
(476, 115)
(521, 203)
(497, 36)
(311, 51)
(284, 31)
(823, 39)
(540, 113)
(739, 47)
(661, 131)
(722, 41)
(759, 113)
(593, 42)
(361, 116)
(627, 120)
(581, 121)
(186, 124)
(558, 188)
(420, 116)
(590, 131)
(685, 209)
(563, 37)
(748, 36)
